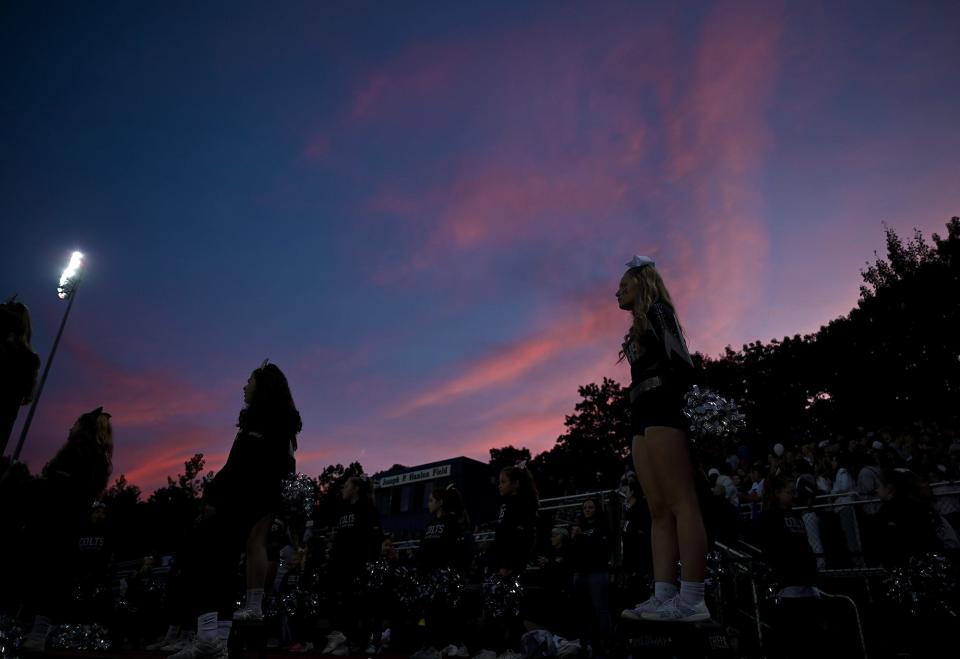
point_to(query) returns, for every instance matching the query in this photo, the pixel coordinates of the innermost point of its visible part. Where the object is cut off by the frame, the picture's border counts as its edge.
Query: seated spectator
(723, 485)
(783, 538)
(869, 480)
(907, 522)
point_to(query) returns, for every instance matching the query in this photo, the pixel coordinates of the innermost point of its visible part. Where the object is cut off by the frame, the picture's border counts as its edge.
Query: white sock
(207, 627)
(691, 592)
(255, 599)
(663, 590)
(223, 629)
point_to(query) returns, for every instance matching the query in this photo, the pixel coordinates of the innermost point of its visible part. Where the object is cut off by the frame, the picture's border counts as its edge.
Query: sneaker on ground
(341, 650)
(171, 637)
(675, 610)
(36, 640)
(426, 653)
(247, 614)
(202, 649)
(184, 640)
(462, 651)
(334, 641)
(636, 613)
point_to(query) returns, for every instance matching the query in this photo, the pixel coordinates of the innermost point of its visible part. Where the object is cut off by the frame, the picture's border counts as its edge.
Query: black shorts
(662, 406)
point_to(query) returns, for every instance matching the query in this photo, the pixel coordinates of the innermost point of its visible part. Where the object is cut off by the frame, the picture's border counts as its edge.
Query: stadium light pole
(67, 290)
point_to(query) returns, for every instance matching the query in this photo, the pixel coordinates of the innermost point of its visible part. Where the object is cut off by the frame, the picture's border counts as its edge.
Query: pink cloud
(587, 156)
(583, 324)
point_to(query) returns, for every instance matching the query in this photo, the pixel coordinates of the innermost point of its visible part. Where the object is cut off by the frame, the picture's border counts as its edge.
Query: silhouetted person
(19, 365)
(58, 503)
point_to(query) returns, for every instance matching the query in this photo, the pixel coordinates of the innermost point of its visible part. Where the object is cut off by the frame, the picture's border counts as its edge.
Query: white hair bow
(640, 261)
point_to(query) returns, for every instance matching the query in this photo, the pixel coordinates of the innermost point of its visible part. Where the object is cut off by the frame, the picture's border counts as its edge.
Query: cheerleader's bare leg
(669, 458)
(663, 528)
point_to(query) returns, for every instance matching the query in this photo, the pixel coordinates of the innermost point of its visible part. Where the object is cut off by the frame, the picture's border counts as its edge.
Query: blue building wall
(402, 493)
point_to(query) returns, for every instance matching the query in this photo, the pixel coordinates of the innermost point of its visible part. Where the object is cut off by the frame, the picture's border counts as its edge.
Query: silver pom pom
(299, 492)
(711, 415)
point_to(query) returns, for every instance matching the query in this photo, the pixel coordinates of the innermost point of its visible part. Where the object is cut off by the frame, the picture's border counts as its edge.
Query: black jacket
(590, 548)
(251, 481)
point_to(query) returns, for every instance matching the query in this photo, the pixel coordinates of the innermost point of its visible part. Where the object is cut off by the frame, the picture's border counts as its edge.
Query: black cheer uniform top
(442, 544)
(659, 357)
(357, 536)
(516, 533)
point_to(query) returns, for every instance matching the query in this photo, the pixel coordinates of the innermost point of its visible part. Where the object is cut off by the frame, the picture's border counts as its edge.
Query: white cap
(778, 449)
(713, 472)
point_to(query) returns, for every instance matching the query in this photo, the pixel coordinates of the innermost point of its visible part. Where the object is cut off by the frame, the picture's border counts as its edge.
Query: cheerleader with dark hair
(514, 540)
(516, 528)
(249, 487)
(442, 544)
(443, 547)
(239, 505)
(357, 539)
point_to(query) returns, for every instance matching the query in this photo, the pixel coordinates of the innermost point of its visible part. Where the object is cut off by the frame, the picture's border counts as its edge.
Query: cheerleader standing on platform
(661, 373)
(239, 504)
(250, 482)
(357, 539)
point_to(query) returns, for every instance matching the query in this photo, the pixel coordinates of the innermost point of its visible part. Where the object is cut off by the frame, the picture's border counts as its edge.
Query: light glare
(69, 277)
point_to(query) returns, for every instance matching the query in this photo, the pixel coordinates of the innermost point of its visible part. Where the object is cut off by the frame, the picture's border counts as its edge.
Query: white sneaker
(636, 613)
(449, 651)
(426, 653)
(334, 641)
(184, 640)
(173, 633)
(202, 649)
(341, 651)
(247, 614)
(675, 610)
(36, 640)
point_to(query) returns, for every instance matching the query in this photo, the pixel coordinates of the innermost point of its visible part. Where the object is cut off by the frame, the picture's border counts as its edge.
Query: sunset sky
(421, 212)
